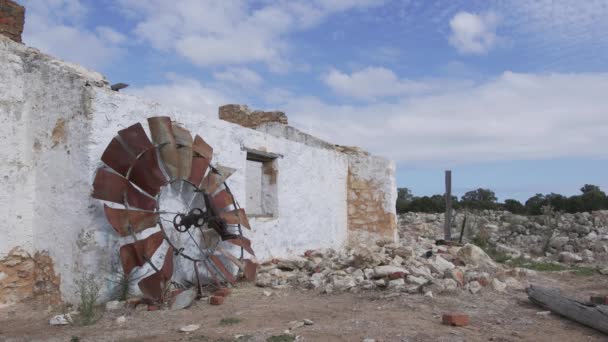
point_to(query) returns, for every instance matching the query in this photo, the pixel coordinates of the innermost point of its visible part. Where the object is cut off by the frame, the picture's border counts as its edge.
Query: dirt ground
(337, 317)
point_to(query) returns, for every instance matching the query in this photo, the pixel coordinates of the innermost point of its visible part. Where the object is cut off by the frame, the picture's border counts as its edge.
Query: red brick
(222, 292)
(483, 281)
(456, 319)
(153, 307)
(599, 300)
(216, 300)
(12, 17)
(396, 275)
(458, 276)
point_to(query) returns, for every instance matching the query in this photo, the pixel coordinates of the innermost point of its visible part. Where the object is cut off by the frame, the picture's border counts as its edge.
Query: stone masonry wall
(23, 276)
(371, 209)
(12, 17)
(242, 115)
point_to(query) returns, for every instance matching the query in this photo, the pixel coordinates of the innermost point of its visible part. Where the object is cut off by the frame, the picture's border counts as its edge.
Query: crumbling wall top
(242, 115)
(12, 18)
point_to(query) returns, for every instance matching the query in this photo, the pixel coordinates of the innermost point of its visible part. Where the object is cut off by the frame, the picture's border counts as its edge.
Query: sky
(509, 95)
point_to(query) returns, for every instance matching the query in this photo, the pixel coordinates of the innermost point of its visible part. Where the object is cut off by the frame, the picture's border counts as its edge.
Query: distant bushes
(591, 198)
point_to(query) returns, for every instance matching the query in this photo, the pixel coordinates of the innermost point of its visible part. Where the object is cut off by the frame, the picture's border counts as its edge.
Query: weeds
(230, 321)
(281, 338)
(520, 262)
(89, 293)
(122, 290)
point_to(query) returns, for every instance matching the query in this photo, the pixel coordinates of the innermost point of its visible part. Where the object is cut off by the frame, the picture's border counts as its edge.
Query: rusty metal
(183, 139)
(197, 172)
(215, 178)
(126, 222)
(133, 165)
(135, 138)
(146, 173)
(154, 285)
(222, 199)
(139, 252)
(237, 216)
(117, 157)
(251, 269)
(242, 242)
(223, 270)
(200, 147)
(162, 135)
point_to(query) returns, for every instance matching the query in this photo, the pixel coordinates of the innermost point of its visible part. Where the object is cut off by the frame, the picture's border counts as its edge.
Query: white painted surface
(46, 199)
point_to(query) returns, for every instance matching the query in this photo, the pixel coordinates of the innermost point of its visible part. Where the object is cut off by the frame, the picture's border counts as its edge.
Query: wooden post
(448, 206)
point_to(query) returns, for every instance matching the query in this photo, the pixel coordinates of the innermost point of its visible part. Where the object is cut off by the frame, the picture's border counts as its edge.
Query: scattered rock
(114, 305)
(184, 299)
(474, 286)
(384, 271)
(189, 328)
(121, 319)
(569, 257)
(64, 319)
(498, 285)
(476, 257)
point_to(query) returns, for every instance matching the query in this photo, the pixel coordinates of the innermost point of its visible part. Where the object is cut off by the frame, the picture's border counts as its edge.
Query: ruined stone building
(300, 192)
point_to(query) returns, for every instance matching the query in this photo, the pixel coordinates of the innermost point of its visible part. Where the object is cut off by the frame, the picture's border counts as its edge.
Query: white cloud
(183, 92)
(473, 33)
(212, 32)
(239, 76)
(514, 116)
(56, 27)
(370, 83)
(511, 117)
(110, 35)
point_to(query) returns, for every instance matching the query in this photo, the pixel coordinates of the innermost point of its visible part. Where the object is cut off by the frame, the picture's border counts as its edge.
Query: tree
(535, 203)
(404, 198)
(479, 199)
(514, 206)
(593, 198)
(556, 201)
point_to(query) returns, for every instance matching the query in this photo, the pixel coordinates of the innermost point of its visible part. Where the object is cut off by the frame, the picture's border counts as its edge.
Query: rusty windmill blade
(243, 242)
(109, 186)
(237, 216)
(162, 135)
(247, 266)
(145, 172)
(251, 269)
(222, 200)
(202, 154)
(215, 178)
(184, 142)
(135, 138)
(126, 221)
(136, 254)
(117, 157)
(153, 285)
(217, 262)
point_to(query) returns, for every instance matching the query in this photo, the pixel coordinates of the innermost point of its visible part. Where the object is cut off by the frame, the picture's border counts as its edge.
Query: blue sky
(510, 95)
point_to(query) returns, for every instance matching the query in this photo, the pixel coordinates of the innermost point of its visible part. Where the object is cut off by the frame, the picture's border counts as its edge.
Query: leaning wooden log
(594, 316)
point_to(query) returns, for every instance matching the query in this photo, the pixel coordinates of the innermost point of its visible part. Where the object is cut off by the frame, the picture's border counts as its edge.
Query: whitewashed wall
(47, 172)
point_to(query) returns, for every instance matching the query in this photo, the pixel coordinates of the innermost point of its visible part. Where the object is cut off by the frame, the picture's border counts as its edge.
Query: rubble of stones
(411, 266)
(580, 238)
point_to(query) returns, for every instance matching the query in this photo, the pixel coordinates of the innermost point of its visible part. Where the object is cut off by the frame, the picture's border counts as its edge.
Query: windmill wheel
(173, 211)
